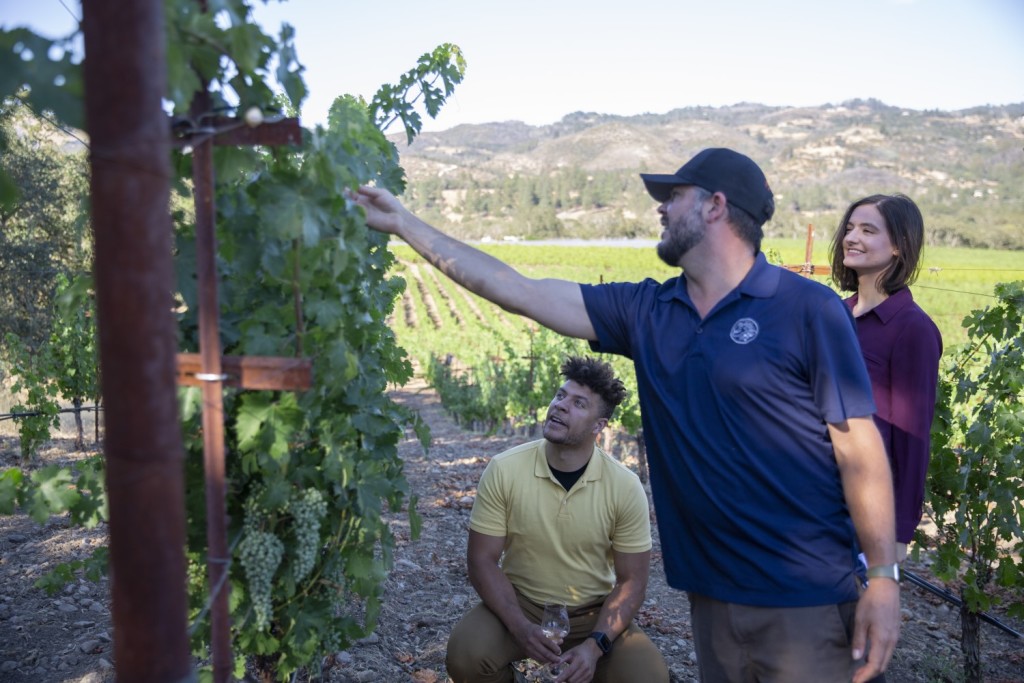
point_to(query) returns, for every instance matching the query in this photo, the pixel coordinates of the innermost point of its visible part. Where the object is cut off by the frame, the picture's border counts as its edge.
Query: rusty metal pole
(213, 400)
(130, 144)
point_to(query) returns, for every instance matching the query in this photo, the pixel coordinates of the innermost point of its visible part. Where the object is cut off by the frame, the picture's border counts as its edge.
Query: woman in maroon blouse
(875, 253)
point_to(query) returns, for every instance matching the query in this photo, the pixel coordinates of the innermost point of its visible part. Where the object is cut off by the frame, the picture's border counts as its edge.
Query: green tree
(976, 477)
(44, 229)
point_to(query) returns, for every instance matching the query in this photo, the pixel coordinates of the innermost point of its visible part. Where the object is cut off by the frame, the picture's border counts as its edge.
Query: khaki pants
(745, 644)
(481, 650)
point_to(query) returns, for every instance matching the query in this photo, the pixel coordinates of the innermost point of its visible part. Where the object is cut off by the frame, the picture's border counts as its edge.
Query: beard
(682, 235)
(562, 435)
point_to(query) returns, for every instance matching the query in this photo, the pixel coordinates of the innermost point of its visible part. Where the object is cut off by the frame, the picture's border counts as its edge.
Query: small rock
(104, 664)
(406, 564)
(424, 676)
(8, 666)
(65, 607)
(367, 677)
(97, 607)
(343, 657)
(426, 621)
(84, 624)
(466, 501)
(88, 646)
(17, 538)
(371, 639)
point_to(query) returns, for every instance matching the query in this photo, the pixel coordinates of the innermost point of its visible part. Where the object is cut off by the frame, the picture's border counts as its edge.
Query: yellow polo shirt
(558, 543)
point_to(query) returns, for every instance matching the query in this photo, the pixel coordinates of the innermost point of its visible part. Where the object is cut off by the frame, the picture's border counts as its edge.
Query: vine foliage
(310, 572)
(63, 366)
(976, 476)
(312, 475)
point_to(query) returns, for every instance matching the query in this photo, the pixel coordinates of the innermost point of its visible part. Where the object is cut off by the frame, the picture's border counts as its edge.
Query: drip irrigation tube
(952, 599)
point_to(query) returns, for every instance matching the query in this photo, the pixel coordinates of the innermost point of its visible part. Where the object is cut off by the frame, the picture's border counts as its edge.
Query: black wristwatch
(602, 642)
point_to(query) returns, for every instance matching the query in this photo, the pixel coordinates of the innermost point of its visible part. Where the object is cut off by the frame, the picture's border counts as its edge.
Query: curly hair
(597, 376)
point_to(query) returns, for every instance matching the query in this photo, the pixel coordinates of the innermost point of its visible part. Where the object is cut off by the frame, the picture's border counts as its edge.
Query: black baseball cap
(718, 169)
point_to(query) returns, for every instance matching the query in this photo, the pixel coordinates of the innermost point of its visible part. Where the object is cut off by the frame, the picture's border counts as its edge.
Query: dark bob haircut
(905, 226)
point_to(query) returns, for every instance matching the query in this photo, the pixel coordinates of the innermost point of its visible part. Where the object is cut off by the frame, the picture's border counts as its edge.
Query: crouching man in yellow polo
(559, 521)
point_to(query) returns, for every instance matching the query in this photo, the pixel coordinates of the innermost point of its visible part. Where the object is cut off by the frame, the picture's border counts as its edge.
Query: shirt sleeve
(633, 523)
(839, 378)
(612, 309)
(489, 509)
(914, 374)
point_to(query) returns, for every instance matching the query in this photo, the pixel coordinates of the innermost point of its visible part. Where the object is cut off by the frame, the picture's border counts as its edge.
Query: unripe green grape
(260, 554)
(307, 510)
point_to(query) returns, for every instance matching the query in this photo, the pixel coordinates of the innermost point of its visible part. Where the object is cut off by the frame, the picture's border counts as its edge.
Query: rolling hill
(577, 177)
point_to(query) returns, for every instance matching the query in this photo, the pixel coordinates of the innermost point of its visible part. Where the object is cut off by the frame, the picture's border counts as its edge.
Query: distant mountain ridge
(965, 168)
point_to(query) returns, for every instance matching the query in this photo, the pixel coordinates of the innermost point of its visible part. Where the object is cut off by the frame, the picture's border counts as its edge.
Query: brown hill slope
(964, 168)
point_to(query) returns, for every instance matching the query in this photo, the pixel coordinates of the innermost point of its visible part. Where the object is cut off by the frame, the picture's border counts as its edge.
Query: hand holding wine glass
(555, 625)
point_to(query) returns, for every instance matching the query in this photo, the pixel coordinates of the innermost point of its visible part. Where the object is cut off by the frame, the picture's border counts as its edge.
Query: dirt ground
(67, 638)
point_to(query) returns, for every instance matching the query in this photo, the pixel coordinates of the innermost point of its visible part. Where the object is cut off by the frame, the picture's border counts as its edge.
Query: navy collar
(761, 282)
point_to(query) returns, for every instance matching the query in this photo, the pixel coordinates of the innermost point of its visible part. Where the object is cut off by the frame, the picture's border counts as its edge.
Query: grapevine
(284, 231)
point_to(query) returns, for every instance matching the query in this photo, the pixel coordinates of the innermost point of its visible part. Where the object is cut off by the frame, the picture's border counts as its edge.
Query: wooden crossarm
(231, 131)
(809, 269)
(250, 372)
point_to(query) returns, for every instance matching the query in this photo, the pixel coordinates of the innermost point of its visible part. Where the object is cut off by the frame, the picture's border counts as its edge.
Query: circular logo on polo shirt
(744, 331)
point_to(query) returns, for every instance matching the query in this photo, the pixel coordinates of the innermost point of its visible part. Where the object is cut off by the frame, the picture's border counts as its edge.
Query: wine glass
(555, 625)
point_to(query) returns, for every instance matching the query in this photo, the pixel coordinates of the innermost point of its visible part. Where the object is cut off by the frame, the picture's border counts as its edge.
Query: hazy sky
(538, 60)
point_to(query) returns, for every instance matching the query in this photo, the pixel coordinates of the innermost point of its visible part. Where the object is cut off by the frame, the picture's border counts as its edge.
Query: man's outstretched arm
(556, 304)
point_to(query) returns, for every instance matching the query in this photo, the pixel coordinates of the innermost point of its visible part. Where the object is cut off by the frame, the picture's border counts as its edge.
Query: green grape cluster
(260, 553)
(307, 510)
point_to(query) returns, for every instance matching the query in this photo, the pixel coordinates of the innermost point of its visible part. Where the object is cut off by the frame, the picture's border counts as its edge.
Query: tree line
(575, 203)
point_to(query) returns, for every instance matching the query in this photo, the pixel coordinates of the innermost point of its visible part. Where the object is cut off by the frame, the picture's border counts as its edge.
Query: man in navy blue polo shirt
(767, 470)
